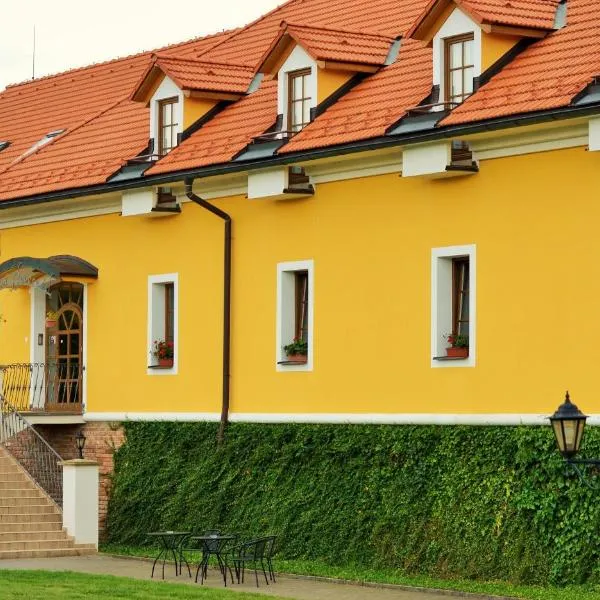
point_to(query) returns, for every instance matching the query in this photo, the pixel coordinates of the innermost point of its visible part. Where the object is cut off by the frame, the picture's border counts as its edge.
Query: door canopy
(29, 272)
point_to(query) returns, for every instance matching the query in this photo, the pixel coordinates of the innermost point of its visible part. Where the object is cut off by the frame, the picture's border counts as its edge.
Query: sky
(74, 33)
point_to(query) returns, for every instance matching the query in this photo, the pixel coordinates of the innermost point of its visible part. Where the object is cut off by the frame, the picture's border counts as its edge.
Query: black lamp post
(568, 423)
(80, 442)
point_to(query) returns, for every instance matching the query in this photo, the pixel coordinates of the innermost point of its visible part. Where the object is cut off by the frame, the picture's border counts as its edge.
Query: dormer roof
(530, 18)
(194, 77)
(336, 48)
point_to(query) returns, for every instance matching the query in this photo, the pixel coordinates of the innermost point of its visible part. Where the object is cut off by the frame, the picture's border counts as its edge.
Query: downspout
(226, 302)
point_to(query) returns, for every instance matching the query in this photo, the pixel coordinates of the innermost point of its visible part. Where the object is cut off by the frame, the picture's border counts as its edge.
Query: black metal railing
(50, 386)
(31, 450)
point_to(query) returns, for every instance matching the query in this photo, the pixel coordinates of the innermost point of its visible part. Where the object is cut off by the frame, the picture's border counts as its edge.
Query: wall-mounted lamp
(568, 423)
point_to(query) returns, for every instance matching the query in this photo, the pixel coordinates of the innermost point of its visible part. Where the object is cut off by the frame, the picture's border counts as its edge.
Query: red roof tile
(74, 101)
(373, 105)
(198, 75)
(530, 14)
(546, 75)
(104, 129)
(226, 134)
(336, 45)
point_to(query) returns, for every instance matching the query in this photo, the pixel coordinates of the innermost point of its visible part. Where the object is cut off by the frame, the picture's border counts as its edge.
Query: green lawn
(47, 585)
(498, 588)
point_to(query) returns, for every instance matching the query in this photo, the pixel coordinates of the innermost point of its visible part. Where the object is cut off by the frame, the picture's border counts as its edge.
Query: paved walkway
(286, 587)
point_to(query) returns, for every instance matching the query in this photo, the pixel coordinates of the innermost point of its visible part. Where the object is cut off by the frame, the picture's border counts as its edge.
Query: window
(163, 324)
(295, 315)
(460, 296)
(459, 67)
(167, 125)
(301, 309)
(453, 305)
(169, 312)
(299, 100)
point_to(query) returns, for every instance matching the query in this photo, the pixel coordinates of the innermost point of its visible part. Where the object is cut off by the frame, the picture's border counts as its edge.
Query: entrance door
(64, 367)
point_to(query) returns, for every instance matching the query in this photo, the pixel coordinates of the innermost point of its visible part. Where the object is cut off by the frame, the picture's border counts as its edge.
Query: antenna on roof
(33, 60)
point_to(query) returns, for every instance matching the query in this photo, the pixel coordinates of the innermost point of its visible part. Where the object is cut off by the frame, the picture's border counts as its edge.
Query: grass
(65, 585)
(391, 576)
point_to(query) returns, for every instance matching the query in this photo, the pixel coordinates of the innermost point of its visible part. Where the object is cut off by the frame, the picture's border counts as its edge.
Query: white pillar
(80, 500)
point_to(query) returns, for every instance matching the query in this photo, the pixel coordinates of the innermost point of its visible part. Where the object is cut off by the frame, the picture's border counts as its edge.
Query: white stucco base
(80, 500)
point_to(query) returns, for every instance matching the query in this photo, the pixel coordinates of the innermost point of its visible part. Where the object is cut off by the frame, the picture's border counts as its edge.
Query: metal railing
(31, 450)
(51, 386)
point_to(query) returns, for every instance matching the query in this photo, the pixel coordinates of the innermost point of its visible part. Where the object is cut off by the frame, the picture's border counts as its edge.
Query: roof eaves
(386, 141)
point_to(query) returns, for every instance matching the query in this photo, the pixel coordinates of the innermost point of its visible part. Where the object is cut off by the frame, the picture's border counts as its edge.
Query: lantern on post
(80, 440)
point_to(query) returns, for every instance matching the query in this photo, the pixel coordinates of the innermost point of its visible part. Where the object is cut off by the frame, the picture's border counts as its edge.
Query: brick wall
(102, 440)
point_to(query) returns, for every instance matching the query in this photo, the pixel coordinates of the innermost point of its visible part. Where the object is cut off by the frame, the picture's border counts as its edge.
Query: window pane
(455, 55)
(468, 49)
(297, 118)
(306, 114)
(456, 83)
(297, 88)
(468, 84)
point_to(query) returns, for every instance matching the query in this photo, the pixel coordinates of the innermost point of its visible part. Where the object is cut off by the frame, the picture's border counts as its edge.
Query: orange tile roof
(90, 100)
(546, 75)
(373, 105)
(104, 128)
(531, 14)
(337, 45)
(194, 74)
(226, 134)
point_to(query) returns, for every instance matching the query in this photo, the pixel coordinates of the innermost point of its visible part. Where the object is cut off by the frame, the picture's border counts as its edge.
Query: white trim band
(340, 418)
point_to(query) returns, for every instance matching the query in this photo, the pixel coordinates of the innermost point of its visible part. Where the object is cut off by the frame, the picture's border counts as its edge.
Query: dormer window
(299, 99)
(168, 125)
(459, 67)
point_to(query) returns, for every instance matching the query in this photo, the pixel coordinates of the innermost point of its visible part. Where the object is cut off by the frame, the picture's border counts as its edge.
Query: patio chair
(269, 552)
(251, 553)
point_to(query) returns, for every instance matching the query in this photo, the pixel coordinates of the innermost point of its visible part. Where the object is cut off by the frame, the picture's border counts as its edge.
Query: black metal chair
(251, 553)
(216, 547)
(269, 552)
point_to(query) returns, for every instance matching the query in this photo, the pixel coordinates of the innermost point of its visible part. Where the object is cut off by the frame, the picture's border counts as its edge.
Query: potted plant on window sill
(297, 351)
(459, 346)
(51, 319)
(163, 352)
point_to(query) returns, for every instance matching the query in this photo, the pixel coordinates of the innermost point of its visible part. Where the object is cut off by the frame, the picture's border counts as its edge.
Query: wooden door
(65, 352)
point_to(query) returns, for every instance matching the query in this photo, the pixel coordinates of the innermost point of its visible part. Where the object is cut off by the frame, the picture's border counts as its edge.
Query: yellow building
(389, 222)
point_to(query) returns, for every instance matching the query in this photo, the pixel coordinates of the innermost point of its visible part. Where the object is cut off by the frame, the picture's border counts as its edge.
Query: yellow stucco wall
(330, 81)
(194, 109)
(494, 46)
(533, 218)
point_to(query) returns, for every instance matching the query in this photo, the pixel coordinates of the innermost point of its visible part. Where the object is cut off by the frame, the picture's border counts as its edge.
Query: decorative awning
(26, 271)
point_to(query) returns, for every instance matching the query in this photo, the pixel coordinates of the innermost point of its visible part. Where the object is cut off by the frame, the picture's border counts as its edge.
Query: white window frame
(441, 303)
(156, 318)
(458, 23)
(286, 306)
(297, 60)
(167, 89)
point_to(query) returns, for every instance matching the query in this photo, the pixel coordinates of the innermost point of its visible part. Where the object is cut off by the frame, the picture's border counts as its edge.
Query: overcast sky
(73, 33)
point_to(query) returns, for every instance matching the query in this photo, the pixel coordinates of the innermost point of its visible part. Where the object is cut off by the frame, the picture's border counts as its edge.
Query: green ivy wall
(477, 502)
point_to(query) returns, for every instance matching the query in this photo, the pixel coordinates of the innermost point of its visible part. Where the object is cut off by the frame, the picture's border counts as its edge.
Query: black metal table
(213, 545)
(171, 545)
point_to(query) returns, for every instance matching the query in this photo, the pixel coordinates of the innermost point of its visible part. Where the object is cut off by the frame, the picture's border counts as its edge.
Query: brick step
(29, 509)
(15, 475)
(35, 535)
(75, 551)
(63, 543)
(16, 517)
(18, 484)
(33, 525)
(24, 498)
(10, 469)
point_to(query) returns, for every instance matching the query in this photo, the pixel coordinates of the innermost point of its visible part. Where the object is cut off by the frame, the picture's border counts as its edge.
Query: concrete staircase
(30, 522)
